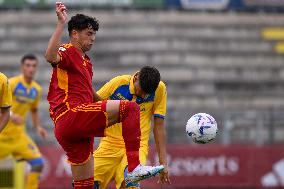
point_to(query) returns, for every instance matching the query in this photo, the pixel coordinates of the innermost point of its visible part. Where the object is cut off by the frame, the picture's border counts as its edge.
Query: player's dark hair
(80, 22)
(149, 78)
(28, 57)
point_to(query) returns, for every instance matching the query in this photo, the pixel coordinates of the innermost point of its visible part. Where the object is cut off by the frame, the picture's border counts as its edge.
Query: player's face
(86, 39)
(29, 68)
(137, 88)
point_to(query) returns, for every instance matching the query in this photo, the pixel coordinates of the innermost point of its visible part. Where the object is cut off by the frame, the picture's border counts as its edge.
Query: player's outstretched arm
(160, 140)
(51, 54)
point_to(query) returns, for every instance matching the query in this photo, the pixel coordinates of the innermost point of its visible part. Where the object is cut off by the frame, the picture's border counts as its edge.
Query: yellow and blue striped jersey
(5, 92)
(122, 88)
(25, 97)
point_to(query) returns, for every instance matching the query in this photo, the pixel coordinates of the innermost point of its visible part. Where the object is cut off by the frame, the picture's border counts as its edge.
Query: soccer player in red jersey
(75, 108)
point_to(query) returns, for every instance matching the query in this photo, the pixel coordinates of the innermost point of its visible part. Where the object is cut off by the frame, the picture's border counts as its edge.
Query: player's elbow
(50, 57)
(47, 56)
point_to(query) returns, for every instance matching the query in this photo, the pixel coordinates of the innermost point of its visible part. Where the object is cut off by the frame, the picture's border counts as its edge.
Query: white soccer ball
(202, 128)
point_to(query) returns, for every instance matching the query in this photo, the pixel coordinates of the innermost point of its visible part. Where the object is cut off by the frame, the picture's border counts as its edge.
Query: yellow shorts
(21, 148)
(109, 163)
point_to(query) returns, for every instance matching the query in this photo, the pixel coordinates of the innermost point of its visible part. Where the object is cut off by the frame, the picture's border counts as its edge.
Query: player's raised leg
(90, 120)
(128, 113)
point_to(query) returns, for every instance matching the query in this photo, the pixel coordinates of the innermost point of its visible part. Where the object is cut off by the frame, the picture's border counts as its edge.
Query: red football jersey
(71, 82)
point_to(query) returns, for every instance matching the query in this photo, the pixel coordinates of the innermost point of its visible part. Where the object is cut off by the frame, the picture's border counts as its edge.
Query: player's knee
(96, 185)
(36, 164)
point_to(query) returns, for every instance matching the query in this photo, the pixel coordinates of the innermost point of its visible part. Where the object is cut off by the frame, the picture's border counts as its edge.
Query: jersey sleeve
(160, 101)
(106, 91)
(6, 93)
(38, 99)
(63, 54)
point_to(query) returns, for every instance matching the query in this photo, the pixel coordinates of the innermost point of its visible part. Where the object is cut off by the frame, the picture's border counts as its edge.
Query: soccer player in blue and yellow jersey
(5, 101)
(26, 95)
(146, 89)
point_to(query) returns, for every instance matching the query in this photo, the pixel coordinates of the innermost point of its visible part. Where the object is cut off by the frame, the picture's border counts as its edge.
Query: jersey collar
(23, 81)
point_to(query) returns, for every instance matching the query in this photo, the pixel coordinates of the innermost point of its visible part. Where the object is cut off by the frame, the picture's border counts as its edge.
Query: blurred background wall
(222, 57)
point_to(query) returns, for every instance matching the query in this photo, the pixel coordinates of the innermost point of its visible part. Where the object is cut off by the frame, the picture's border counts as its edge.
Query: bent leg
(128, 113)
(73, 133)
(28, 151)
(76, 129)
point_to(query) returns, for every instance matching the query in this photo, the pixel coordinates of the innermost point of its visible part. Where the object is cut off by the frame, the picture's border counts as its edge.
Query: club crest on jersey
(142, 108)
(62, 49)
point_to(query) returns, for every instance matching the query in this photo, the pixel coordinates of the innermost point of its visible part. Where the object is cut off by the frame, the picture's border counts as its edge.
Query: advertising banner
(201, 166)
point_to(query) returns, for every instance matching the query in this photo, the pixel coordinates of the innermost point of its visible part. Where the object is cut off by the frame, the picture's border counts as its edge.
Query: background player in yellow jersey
(26, 95)
(146, 89)
(5, 101)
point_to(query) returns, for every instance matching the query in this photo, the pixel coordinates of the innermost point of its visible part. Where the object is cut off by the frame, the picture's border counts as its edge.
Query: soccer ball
(202, 128)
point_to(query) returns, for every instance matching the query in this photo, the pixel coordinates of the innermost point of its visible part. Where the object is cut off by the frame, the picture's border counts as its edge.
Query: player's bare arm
(4, 117)
(51, 54)
(160, 141)
(37, 124)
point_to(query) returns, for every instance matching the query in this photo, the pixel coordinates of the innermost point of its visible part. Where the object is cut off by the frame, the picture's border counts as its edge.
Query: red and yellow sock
(84, 184)
(130, 118)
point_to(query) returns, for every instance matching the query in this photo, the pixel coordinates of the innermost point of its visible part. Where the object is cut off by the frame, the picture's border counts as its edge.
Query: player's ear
(135, 79)
(74, 34)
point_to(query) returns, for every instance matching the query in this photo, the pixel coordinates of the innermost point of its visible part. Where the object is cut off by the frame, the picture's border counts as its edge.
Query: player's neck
(78, 47)
(27, 79)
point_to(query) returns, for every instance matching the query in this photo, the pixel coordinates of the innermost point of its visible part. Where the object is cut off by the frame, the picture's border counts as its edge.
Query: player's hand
(61, 12)
(42, 132)
(16, 119)
(164, 176)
